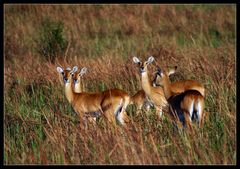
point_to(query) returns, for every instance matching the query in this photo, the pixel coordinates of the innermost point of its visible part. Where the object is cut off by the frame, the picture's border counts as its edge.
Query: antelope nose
(142, 69)
(65, 79)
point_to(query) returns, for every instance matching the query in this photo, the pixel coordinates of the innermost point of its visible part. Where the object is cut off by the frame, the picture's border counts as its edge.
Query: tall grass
(39, 124)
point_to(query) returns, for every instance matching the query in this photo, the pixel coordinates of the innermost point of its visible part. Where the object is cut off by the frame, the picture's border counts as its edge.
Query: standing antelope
(77, 88)
(187, 105)
(180, 86)
(155, 94)
(78, 85)
(110, 102)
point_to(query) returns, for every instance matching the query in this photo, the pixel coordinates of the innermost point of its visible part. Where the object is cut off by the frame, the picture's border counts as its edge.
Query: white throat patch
(67, 84)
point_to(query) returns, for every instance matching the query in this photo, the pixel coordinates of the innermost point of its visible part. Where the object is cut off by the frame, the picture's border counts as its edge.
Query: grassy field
(39, 126)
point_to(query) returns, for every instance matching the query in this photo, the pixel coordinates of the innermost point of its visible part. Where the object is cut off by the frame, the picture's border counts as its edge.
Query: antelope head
(143, 65)
(67, 73)
(77, 76)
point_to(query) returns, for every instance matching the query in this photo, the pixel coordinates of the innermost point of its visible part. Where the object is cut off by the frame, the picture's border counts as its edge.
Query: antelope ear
(83, 71)
(59, 69)
(75, 68)
(150, 59)
(136, 60)
(172, 71)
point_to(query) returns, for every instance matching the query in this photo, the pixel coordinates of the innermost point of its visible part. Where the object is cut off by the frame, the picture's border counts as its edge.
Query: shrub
(51, 43)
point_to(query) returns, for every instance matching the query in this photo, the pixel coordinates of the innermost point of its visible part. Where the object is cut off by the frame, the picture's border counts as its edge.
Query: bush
(51, 43)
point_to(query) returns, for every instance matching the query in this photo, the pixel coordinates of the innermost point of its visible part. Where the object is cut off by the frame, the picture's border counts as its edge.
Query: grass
(39, 124)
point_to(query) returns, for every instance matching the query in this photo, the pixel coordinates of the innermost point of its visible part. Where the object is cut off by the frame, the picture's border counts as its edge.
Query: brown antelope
(78, 85)
(109, 103)
(180, 86)
(155, 94)
(78, 89)
(187, 106)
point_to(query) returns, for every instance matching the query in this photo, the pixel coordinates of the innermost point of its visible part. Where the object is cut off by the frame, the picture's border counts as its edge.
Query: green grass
(39, 124)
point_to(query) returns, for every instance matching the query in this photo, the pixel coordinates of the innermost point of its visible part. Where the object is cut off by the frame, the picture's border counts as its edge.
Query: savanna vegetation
(39, 124)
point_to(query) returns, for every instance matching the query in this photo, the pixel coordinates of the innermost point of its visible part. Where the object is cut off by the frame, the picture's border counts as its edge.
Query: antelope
(77, 88)
(77, 83)
(185, 106)
(109, 103)
(181, 86)
(155, 94)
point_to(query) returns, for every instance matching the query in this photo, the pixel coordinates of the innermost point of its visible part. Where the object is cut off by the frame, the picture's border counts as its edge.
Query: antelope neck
(145, 83)
(77, 87)
(69, 92)
(166, 87)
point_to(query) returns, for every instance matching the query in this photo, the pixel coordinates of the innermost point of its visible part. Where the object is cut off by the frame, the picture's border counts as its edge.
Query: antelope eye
(62, 73)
